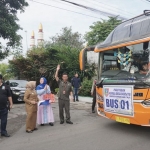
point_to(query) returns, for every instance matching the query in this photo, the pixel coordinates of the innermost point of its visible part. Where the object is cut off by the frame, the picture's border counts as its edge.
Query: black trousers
(94, 100)
(3, 117)
(64, 104)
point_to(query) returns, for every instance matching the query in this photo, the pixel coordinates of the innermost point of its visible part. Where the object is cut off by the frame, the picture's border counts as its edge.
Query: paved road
(89, 132)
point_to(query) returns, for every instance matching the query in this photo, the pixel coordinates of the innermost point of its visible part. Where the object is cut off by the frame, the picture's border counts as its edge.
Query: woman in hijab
(45, 112)
(31, 99)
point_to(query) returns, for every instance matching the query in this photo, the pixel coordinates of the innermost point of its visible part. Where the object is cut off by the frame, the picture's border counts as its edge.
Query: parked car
(18, 88)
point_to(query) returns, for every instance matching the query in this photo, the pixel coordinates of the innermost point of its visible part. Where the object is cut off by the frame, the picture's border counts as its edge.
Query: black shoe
(61, 122)
(29, 131)
(5, 135)
(69, 122)
(77, 100)
(35, 129)
(93, 111)
(42, 124)
(51, 124)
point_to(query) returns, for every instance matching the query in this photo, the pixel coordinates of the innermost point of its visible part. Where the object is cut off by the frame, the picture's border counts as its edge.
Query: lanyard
(64, 86)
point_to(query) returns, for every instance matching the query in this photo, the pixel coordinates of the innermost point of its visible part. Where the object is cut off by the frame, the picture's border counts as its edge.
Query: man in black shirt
(5, 96)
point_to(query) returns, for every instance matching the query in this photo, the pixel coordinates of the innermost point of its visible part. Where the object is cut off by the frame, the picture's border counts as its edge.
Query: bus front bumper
(141, 115)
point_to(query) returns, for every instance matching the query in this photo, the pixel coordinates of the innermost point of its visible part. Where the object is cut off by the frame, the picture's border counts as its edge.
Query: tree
(100, 30)
(4, 70)
(69, 60)
(69, 38)
(86, 87)
(42, 61)
(9, 25)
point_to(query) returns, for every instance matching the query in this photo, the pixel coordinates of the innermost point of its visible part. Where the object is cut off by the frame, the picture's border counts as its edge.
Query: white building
(32, 40)
(40, 39)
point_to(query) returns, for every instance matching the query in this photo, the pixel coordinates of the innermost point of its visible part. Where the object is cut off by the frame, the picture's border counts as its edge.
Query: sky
(56, 14)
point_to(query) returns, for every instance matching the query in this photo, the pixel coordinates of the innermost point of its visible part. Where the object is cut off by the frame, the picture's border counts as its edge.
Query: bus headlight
(146, 102)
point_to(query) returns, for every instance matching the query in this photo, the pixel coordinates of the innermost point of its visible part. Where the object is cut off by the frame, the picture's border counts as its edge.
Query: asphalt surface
(89, 132)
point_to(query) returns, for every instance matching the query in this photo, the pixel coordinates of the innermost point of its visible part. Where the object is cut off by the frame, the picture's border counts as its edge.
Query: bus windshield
(126, 61)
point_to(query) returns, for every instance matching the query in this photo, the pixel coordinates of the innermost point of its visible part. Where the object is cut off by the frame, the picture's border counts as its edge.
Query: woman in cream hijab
(30, 98)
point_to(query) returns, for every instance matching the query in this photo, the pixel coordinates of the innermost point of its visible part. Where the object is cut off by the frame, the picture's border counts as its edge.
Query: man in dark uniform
(93, 93)
(65, 90)
(5, 97)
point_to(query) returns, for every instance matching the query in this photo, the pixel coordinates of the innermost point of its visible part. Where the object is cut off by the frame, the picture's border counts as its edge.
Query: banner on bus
(118, 99)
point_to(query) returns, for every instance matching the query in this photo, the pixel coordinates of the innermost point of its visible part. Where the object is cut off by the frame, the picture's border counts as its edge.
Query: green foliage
(39, 62)
(4, 70)
(86, 87)
(17, 52)
(100, 30)
(68, 38)
(8, 24)
(56, 90)
(68, 58)
(43, 62)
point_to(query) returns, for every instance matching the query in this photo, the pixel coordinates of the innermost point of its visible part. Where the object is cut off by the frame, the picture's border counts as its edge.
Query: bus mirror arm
(147, 12)
(100, 85)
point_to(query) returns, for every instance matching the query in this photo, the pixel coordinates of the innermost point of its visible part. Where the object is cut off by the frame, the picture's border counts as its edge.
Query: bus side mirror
(82, 59)
(83, 56)
(147, 12)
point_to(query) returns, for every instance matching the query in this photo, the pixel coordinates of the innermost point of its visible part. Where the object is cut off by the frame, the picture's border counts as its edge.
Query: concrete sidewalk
(82, 99)
(85, 99)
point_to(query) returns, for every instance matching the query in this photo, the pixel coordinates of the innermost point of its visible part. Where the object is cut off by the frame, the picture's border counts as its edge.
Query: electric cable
(95, 10)
(64, 9)
(115, 8)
